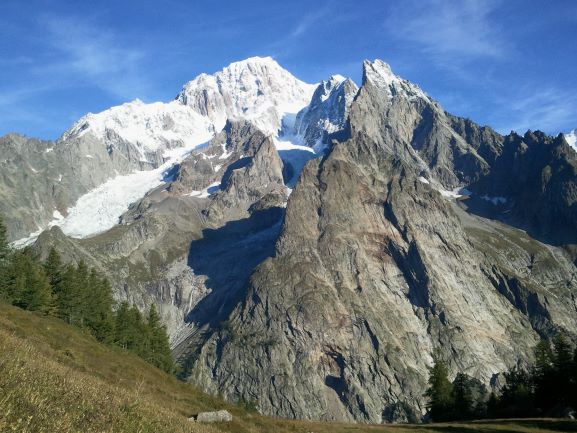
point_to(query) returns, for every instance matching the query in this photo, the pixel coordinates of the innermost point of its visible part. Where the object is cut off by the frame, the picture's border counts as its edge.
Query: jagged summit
(258, 89)
(327, 112)
(381, 75)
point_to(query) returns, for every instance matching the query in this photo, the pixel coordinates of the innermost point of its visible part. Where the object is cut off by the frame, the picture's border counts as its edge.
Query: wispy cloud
(307, 22)
(73, 52)
(448, 31)
(94, 54)
(550, 110)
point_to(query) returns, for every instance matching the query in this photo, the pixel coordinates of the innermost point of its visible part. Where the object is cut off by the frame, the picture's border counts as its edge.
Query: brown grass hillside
(55, 379)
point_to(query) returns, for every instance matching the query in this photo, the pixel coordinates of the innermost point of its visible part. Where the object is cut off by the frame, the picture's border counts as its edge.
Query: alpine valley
(310, 246)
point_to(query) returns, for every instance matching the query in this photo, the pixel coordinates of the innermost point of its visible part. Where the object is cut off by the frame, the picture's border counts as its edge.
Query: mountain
(377, 265)
(310, 247)
(108, 160)
(257, 89)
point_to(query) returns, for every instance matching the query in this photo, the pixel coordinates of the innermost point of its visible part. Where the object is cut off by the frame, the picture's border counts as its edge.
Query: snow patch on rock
(571, 138)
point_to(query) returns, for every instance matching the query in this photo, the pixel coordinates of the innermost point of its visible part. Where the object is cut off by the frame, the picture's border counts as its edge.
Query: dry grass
(55, 379)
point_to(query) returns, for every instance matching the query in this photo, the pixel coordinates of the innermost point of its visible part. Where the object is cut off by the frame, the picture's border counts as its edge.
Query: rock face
(375, 269)
(213, 223)
(534, 181)
(40, 180)
(327, 112)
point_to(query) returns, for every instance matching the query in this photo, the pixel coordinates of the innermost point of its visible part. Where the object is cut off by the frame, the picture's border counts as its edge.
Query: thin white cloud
(307, 22)
(76, 53)
(448, 30)
(95, 56)
(550, 110)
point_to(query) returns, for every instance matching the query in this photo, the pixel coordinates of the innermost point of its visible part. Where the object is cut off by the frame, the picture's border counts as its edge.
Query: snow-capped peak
(327, 112)
(381, 75)
(150, 127)
(337, 78)
(571, 138)
(258, 89)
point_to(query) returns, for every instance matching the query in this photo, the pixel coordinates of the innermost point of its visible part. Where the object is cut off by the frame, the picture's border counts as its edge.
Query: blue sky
(511, 64)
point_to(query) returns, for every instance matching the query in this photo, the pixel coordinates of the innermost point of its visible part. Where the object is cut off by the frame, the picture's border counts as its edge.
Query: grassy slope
(54, 379)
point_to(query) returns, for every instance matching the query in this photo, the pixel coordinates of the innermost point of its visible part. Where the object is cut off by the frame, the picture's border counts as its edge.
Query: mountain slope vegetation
(56, 378)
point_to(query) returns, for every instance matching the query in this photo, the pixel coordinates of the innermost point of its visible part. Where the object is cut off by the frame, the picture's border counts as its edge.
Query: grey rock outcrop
(212, 417)
(532, 185)
(39, 178)
(327, 112)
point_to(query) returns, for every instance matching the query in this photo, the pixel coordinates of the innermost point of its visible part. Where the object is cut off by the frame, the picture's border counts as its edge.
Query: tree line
(547, 388)
(83, 298)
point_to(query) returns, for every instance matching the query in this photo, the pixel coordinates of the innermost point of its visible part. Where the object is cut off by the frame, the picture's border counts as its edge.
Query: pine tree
(493, 406)
(68, 296)
(440, 392)
(4, 245)
(131, 333)
(4, 256)
(543, 374)
(138, 331)
(159, 353)
(99, 318)
(26, 284)
(516, 396)
(83, 292)
(463, 396)
(53, 268)
(562, 363)
(122, 333)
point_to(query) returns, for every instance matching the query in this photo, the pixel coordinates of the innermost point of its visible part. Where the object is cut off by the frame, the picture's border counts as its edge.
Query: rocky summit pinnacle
(309, 247)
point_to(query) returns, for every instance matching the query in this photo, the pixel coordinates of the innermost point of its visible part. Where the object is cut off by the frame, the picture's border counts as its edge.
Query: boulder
(216, 416)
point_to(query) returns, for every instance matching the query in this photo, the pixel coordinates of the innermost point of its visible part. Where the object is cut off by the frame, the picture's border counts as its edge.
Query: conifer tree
(516, 396)
(4, 254)
(53, 268)
(440, 392)
(4, 245)
(122, 333)
(99, 318)
(138, 331)
(82, 292)
(543, 374)
(463, 397)
(68, 296)
(562, 363)
(26, 285)
(159, 353)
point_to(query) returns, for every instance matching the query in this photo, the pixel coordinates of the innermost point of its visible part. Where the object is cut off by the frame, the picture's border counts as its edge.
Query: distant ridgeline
(82, 297)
